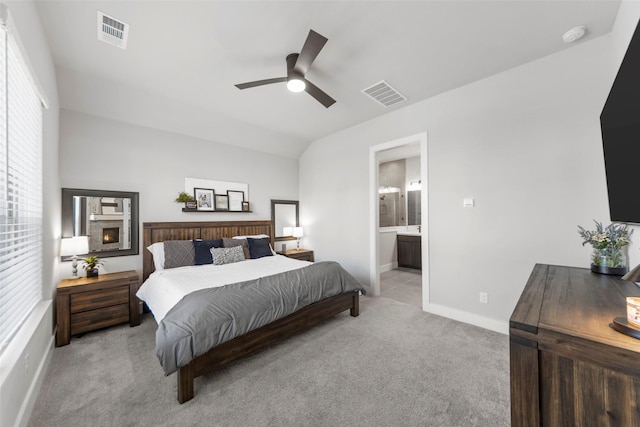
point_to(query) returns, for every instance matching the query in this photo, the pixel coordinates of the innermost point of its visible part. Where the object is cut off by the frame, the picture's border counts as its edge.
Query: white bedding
(165, 288)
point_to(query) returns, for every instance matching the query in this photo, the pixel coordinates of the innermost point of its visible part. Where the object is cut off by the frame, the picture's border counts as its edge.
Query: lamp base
(621, 325)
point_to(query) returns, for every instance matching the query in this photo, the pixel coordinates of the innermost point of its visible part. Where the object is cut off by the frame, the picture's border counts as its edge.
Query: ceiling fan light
(296, 85)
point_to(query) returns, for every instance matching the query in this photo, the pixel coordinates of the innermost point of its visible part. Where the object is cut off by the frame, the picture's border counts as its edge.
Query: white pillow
(157, 250)
(256, 236)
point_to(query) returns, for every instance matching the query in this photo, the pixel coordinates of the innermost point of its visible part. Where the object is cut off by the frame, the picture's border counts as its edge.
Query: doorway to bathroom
(399, 232)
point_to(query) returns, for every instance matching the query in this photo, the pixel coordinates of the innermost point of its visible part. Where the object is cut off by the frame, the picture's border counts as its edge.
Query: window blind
(21, 208)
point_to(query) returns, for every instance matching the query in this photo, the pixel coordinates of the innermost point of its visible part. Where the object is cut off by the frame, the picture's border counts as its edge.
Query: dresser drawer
(97, 299)
(100, 318)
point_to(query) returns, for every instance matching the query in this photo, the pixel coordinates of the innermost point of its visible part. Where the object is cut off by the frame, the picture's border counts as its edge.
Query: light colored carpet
(394, 365)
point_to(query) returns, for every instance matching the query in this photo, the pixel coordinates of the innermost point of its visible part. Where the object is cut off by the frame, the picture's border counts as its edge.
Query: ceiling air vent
(112, 31)
(384, 94)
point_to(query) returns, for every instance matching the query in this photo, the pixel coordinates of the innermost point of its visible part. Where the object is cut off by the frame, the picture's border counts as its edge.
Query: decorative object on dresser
(569, 367)
(301, 254)
(87, 304)
(74, 246)
(609, 246)
(91, 265)
(336, 292)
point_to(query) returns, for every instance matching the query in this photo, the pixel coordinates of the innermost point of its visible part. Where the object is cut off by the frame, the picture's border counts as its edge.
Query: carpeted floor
(394, 365)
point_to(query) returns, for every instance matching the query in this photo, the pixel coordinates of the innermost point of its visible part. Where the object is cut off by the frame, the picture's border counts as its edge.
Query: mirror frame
(67, 217)
(273, 217)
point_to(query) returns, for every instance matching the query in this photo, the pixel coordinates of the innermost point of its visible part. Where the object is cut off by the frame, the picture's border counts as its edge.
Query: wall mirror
(109, 218)
(285, 216)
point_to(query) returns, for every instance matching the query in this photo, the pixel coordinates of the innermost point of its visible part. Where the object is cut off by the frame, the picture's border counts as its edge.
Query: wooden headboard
(153, 232)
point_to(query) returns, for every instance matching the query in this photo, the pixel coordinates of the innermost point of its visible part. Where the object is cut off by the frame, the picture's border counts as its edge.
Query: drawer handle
(107, 298)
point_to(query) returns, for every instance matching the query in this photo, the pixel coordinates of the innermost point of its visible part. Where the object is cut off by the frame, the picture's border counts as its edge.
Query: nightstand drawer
(97, 299)
(101, 318)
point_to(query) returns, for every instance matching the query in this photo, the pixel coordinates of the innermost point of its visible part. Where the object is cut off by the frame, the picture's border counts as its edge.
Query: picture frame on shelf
(236, 198)
(221, 202)
(245, 207)
(204, 199)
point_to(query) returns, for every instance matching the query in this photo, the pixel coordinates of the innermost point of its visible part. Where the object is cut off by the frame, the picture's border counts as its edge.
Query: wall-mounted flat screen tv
(620, 124)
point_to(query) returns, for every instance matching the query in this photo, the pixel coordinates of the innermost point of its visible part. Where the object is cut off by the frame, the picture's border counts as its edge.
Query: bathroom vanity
(410, 250)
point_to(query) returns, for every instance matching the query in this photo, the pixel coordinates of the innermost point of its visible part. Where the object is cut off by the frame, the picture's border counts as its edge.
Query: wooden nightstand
(301, 254)
(87, 304)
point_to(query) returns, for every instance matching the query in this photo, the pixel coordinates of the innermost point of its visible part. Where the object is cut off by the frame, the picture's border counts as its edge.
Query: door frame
(374, 215)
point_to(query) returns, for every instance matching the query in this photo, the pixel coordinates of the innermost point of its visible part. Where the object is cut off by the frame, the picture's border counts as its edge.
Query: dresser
(86, 304)
(568, 366)
(301, 254)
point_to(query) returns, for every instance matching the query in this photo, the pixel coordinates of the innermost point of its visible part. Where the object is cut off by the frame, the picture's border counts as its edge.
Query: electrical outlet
(484, 297)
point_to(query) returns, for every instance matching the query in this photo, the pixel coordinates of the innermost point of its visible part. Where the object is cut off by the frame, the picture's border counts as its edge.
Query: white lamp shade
(297, 232)
(287, 231)
(77, 245)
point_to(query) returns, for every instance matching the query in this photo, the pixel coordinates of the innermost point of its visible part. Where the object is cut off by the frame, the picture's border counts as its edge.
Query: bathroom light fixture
(74, 246)
(574, 34)
(297, 233)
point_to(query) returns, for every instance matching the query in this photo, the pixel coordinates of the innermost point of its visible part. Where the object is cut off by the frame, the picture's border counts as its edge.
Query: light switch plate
(468, 202)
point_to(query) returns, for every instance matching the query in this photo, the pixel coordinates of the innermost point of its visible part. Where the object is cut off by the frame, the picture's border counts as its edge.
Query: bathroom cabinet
(410, 251)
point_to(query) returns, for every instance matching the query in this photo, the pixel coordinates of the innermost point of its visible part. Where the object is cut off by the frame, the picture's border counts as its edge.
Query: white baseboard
(388, 267)
(470, 318)
(34, 388)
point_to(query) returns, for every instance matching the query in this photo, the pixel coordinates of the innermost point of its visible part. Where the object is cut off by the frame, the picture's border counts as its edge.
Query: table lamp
(297, 233)
(74, 246)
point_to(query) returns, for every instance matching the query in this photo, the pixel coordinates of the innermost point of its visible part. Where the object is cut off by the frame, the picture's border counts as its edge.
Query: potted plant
(91, 265)
(188, 200)
(608, 256)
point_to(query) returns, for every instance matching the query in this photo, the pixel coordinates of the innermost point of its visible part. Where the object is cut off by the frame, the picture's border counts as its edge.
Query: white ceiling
(184, 57)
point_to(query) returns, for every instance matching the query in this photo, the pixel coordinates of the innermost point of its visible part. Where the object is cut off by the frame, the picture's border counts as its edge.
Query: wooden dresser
(568, 366)
(86, 304)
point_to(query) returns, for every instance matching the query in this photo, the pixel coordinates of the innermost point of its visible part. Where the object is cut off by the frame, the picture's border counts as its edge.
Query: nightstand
(86, 304)
(301, 254)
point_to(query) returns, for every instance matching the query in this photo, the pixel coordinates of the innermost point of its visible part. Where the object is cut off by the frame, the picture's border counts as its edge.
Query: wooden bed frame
(257, 339)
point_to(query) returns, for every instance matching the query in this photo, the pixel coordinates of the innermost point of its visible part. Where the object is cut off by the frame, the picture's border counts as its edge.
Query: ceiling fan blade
(318, 94)
(261, 83)
(312, 47)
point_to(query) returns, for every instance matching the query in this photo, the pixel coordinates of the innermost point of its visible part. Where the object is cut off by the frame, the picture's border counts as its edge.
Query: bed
(255, 339)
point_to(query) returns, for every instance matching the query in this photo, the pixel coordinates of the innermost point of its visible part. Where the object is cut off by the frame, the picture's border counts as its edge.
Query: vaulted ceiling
(183, 59)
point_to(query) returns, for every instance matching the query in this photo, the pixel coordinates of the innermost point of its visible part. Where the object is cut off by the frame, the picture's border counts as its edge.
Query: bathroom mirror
(109, 218)
(284, 215)
(414, 207)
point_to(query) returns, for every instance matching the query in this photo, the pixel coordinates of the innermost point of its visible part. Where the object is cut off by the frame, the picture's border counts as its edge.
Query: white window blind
(21, 207)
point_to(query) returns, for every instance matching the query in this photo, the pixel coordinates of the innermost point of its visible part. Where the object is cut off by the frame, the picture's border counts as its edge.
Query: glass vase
(609, 261)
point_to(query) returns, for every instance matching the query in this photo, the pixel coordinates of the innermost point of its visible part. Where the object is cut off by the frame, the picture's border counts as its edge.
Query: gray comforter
(209, 317)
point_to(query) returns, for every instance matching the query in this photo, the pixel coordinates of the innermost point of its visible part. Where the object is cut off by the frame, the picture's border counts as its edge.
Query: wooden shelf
(193, 210)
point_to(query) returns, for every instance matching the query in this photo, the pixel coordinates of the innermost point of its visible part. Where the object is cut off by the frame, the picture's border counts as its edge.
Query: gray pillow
(178, 253)
(229, 243)
(227, 255)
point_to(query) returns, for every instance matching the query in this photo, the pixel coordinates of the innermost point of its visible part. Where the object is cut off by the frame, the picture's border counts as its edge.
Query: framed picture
(245, 206)
(235, 200)
(222, 202)
(204, 198)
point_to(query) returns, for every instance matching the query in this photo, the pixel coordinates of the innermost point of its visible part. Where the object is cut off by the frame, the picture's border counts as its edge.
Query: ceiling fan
(297, 66)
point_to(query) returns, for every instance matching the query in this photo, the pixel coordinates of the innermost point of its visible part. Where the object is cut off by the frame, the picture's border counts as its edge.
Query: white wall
(524, 143)
(20, 379)
(103, 154)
